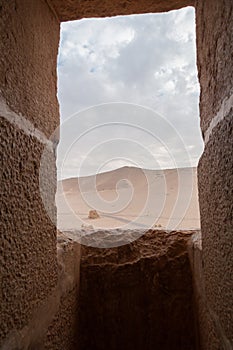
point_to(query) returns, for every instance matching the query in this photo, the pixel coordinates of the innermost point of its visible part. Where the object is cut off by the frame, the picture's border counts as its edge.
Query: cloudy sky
(128, 93)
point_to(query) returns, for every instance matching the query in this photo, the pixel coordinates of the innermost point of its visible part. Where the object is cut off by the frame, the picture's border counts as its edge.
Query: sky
(128, 93)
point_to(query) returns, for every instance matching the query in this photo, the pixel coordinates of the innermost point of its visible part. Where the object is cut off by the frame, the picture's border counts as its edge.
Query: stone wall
(52, 324)
(29, 44)
(215, 173)
(62, 331)
(29, 113)
(38, 292)
(138, 296)
(75, 9)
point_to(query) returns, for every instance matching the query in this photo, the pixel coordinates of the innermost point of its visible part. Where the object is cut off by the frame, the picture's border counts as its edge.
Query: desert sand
(130, 198)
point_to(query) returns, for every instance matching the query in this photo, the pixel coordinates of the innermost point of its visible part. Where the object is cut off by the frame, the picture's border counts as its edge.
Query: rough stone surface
(52, 324)
(28, 237)
(29, 38)
(216, 205)
(93, 214)
(35, 300)
(137, 296)
(62, 332)
(213, 265)
(214, 27)
(208, 336)
(74, 9)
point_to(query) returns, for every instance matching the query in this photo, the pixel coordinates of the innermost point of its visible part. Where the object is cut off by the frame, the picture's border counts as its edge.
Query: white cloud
(147, 60)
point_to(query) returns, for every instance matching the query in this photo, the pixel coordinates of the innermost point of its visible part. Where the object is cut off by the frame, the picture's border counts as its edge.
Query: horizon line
(125, 166)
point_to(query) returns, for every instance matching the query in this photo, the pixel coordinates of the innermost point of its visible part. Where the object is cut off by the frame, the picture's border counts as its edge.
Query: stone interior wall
(215, 173)
(30, 272)
(138, 296)
(75, 9)
(62, 331)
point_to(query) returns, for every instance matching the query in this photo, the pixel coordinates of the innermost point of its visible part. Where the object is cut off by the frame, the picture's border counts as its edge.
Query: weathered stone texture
(207, 332)
(28, 237)
(53, 323)
(216, 205)
(62, 332)
(134, 296)
(215, 174)
(29, 38)
(214, 23)
(74, 9)
(137, 296)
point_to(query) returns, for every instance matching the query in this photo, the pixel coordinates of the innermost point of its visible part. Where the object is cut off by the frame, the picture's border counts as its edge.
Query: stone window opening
(40, 270)
(92, 43)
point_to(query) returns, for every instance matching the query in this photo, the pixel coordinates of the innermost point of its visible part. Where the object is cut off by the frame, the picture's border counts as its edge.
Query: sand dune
(129, 198)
